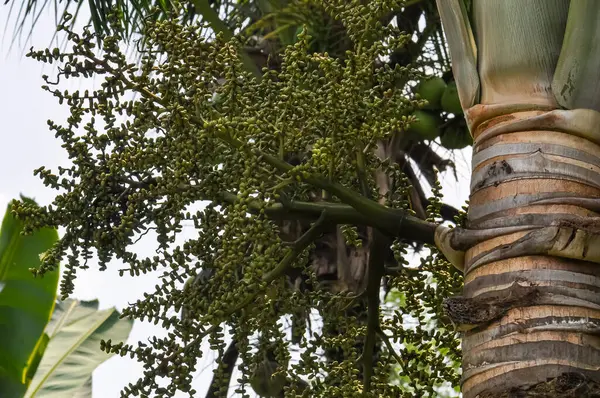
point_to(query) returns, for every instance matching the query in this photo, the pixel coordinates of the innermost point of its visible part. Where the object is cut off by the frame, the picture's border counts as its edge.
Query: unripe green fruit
(432, 91)
(456, 137)
(426, 126)
(450, 100)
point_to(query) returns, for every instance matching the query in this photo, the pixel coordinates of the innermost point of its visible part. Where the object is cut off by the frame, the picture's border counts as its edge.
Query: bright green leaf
(26, 303)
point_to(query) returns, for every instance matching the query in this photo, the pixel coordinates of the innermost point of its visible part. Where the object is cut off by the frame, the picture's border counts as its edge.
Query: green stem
(376, 271)
(399, 224)
(360, 170)
(385, 338)
(302, 243)
(382, 216)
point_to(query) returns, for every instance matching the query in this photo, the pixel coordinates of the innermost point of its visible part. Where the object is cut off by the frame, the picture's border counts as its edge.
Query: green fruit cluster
(428, 124)
(439, 95)
(450, 101)
(432, 90)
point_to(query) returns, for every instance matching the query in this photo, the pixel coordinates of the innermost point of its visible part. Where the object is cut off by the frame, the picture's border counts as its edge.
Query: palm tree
(528, 74)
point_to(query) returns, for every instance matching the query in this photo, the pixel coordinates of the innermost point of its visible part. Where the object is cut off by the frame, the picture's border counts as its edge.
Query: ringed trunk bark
(549, 329)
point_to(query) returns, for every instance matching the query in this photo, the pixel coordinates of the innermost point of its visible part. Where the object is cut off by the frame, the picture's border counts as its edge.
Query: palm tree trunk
(530, 170)
(528, 75)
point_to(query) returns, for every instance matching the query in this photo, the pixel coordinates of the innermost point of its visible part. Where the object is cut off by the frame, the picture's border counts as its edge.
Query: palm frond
(132, 15)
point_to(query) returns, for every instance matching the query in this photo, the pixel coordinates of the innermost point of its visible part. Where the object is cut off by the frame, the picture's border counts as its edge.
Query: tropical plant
(70, 348)
(48, 348)
(526, 75)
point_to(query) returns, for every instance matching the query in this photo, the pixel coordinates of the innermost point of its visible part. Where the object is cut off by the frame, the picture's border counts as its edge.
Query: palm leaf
(86, 390)
(132, 16)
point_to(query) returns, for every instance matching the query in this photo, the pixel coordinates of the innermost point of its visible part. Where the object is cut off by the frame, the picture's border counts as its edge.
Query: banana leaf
(73, 350)
(26, 303)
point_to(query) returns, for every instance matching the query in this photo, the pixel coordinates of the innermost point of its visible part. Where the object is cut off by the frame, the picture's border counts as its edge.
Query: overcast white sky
(28, 144)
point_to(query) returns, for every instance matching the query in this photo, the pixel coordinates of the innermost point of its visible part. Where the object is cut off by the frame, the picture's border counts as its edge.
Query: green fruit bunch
(426, 124)
(429, 123)
(439, 95)
(449, 101)
(432, 91)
